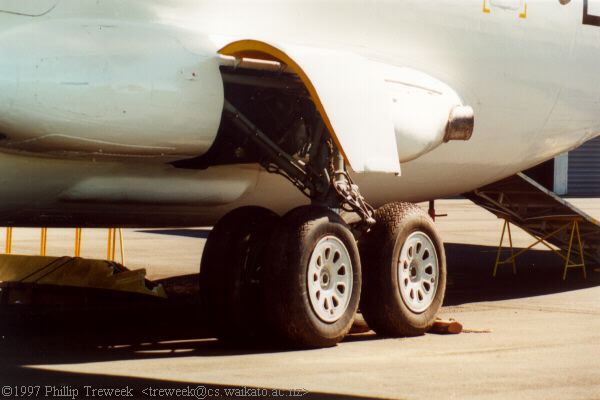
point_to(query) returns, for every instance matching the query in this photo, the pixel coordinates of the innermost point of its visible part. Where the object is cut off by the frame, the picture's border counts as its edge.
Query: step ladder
(523, 202)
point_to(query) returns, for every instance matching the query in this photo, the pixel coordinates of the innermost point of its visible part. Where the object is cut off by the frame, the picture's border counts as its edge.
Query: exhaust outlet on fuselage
(460, 124)
(425, 112)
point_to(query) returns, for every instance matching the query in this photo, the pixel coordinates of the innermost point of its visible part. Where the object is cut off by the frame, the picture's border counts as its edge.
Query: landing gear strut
(321, 176)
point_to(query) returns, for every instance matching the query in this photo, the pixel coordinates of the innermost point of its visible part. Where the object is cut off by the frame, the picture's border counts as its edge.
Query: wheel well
(277, 102)
(270, 117)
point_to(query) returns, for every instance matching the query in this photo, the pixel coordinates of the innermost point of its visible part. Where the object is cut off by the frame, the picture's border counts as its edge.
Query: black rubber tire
(231, 291)
(291, 315)
(381, 304)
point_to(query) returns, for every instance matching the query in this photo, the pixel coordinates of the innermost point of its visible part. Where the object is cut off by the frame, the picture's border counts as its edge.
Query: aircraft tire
(231, 290)
(314, 280)
(404, 274)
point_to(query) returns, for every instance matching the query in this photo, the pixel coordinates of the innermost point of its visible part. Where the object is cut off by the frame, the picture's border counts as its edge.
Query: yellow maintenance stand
(553, 222)
(75, 271)
(571, 223)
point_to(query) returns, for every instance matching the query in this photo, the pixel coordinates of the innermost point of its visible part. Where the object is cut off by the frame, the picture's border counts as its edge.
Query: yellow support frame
(78, 233)
(112, 244)
(43, 241)
(511, 259)
(110, 252)
(568, 263)
(572, 224)
(121, 246)
(8, 247)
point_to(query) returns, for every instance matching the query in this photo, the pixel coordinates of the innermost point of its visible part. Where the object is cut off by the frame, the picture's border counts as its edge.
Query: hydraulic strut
(301, 174)
(324, 181)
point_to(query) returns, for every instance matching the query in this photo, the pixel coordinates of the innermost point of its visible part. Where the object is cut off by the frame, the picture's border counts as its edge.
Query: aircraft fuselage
(97, 98)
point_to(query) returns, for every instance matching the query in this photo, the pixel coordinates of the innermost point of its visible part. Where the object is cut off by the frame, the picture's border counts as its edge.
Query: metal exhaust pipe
(460, 124)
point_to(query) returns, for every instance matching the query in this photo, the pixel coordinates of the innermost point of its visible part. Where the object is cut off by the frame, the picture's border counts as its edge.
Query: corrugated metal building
(584, 170)
(577, 173)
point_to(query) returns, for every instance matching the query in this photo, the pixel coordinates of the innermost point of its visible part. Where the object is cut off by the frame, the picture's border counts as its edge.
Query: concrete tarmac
(529, 336)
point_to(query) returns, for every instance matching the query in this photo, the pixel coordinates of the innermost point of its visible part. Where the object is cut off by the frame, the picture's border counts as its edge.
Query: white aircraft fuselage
(97, 98)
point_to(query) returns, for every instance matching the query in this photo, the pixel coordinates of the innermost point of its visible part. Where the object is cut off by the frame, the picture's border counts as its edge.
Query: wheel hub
(325, 280)
(413, 269)
(418, 269)
(329, 279)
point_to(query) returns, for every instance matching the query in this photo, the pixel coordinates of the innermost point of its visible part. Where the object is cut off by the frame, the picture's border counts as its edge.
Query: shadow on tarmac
(91, 333)
(73, 386)
(142, 388)
(193, 233)
(539, 273)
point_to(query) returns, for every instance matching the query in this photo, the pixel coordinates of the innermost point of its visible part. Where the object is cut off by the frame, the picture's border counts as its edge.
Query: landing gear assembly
(298, 278)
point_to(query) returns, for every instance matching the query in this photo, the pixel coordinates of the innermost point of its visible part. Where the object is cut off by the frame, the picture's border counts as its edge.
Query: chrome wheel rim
(329, 279)
(418, 272)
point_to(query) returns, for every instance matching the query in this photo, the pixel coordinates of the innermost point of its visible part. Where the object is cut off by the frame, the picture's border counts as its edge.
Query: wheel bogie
(299, 279)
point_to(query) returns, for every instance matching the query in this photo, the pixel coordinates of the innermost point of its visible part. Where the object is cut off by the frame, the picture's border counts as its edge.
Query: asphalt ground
(529, 336)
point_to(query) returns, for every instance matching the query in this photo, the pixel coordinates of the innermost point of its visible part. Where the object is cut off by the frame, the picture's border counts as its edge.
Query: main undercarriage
(298, 278)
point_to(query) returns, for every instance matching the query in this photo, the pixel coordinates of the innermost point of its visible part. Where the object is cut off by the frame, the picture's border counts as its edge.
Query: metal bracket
(349, 193)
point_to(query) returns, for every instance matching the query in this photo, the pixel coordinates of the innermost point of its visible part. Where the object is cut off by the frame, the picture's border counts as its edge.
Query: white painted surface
(106, 87)
(594, 7)
(420, 110)
(353, 92)
(507, 4)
